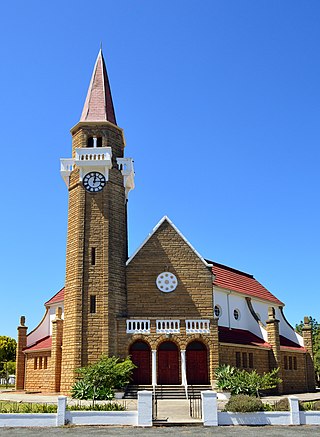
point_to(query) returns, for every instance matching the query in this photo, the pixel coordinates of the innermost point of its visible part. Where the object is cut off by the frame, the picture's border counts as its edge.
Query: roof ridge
(231, 269)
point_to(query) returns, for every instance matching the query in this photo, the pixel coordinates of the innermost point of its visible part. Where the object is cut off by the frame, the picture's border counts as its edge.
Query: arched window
(94, 142)
(217, 311)
(90, 142)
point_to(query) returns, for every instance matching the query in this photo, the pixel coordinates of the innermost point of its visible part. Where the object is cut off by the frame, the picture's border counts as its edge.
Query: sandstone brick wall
(192, 299)
(260, 356)
(39, 379)
(166, 250)
(94, 221)
(294, 376)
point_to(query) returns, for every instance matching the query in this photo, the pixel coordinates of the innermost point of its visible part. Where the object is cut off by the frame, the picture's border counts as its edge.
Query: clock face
(94, 182)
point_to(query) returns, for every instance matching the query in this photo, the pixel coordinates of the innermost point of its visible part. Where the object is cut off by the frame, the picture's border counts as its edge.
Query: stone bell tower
(99, 179)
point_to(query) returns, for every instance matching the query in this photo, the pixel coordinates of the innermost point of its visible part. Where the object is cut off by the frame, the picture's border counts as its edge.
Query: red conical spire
(98, 105)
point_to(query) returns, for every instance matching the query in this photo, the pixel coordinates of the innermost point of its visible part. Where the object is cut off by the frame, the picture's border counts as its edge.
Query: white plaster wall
(247, 321)
(52, 312)
(261, 308)
(286, 329)
(220, 298)
(31, 419)
(102, 417)
(41, 331)
(236, 301)
(45, 326)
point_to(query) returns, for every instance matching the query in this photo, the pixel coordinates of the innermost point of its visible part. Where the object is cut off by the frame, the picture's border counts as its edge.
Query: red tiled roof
(58, 297)
(240, 336)
(44, 343)
(289, 344)
(232, 279)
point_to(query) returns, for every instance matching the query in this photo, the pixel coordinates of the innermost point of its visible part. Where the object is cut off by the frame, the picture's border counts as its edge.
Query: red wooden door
(140, 355)
(168, 364)
(197, 364)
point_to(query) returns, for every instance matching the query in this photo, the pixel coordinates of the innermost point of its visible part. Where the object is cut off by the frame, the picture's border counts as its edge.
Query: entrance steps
(166, 391)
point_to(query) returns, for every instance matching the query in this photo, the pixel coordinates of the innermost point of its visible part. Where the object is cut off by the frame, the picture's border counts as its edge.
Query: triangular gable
(154, 230)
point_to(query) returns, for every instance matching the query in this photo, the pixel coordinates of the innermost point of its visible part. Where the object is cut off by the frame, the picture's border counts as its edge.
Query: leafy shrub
(225, 375)
(309, 406)
(306, 406)
(242, 382)
(282, 405)
(98, 381)
(26, 407)
(84, 390)
(110, 406)
(244, 404)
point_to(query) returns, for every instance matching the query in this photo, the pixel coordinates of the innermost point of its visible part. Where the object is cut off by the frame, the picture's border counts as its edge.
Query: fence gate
(154, 406)
(195, 406)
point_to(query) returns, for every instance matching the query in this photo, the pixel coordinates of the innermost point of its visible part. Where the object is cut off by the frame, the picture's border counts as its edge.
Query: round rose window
(167, 282)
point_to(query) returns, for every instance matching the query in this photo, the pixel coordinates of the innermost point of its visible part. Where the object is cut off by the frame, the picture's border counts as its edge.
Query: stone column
(20, 356)
(274, 340)
(183, 368)
(213, 351)
(154, 367)
(56, 351)
(308, 344)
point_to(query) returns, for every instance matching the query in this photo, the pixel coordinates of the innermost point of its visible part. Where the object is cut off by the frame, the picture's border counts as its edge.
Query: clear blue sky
(220, 103)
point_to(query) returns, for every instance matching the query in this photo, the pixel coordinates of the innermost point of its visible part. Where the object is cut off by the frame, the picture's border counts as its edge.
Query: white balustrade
(92, 156)
(167, 326)
(66, 164)
(138, 326)
(198, 326)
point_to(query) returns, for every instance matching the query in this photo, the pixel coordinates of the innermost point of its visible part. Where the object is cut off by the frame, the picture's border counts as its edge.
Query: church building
(178, 315)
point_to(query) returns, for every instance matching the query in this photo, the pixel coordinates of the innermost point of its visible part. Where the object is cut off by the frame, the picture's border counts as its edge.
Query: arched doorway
(168, 363)
(197, 363)
(141, 357)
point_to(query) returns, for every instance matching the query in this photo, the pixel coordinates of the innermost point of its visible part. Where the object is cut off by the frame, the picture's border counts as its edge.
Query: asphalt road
(188, 431)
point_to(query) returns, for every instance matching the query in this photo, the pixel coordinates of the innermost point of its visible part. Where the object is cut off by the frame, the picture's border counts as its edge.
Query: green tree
(315, 329)
(8, 348)
(99, 380)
